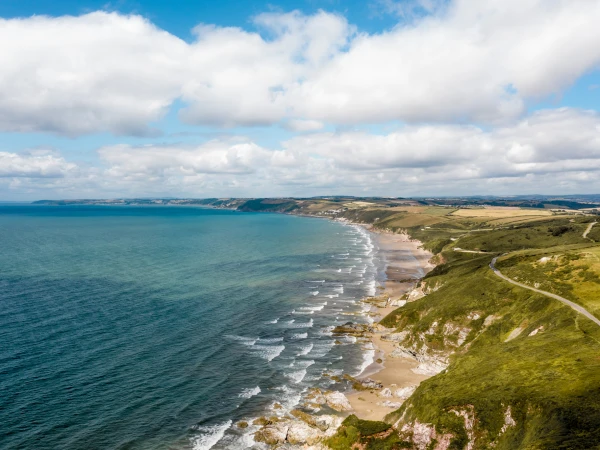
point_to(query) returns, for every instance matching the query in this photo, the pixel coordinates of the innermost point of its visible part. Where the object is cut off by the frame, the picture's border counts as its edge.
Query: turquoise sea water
(156, 328)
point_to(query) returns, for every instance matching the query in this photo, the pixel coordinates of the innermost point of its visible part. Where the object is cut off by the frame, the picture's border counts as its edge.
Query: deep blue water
(158, 327)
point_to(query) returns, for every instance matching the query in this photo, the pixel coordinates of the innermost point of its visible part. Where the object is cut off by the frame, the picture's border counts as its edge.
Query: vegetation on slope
(570, 271)
(523, 369)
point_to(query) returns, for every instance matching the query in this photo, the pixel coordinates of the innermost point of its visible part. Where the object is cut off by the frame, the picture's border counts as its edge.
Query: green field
(573, 273)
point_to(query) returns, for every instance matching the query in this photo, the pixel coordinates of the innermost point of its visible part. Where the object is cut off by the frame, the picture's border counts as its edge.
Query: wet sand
(407, 263)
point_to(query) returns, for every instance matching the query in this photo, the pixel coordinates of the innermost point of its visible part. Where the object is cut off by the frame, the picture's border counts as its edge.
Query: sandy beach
(406, 263)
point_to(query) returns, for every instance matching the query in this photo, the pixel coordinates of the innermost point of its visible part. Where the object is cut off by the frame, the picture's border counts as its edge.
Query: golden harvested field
(500, 213)
(438, 211)
(409, 209)
(412, 220)
(514, 220)
(354, 205)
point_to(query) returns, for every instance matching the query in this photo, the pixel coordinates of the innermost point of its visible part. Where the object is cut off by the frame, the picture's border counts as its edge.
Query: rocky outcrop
(301, 429)
(537, 330)
(405, 392)
(390, 404)
(272, 434)
(301, 433)
(468, 414)
(381, 301)
(457, 331)
(429, 363)
(423, 436)
(337, 401)
(396, 337)
(397, 302)
(366, 384)
(508, 421)
(385, 393)
(353, 329)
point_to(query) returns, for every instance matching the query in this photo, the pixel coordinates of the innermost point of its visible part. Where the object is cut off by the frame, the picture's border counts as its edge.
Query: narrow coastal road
(575, 306)
(588, 229)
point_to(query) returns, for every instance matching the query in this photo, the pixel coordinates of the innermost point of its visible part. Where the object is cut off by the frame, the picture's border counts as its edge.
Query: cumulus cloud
(470, 60)
(214, 157)
(96, 72)
(550, 151)
(34, 165)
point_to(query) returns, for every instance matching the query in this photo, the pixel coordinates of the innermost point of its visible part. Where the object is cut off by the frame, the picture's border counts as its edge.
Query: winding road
(575, 306)
(588, 229)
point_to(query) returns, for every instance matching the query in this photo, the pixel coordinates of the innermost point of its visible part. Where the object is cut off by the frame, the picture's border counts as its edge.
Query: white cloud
(35, 165)
(96, 72)
(304, 125)
(553, 151)
(241, 78)
(478, 60)
(214, 157)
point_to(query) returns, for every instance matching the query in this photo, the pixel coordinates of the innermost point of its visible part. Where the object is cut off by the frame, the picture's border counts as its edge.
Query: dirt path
(588, 229)
(460, 250)
(575, 306)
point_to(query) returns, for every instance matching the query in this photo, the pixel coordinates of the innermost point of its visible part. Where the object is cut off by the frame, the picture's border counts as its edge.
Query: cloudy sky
(303, 97)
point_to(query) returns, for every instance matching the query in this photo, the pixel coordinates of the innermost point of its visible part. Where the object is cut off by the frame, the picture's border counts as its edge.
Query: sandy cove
(406, 263)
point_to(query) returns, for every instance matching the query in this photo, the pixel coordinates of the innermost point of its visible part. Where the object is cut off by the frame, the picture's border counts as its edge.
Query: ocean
(126, 327)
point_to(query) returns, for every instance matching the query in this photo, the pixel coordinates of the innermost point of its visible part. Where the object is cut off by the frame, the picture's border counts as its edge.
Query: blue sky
(383, 97)
(180, 16)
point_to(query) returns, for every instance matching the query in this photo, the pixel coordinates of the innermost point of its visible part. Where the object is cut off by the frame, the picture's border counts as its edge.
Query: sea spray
(209, 436)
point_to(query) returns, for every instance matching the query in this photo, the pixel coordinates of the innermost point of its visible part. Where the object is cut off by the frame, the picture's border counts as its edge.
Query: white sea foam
(303, 363)
(289, 397)
(242, 339)
(296, 376)
(293, 324)
(273, 321)
(270, 340)
(314, 293)
(313, 308)
(332, 295)
(306, 350)
(368, 358)
(321, 349)
(317, 281)
(268, 352)
(299, 336)
(210, 436)
(303, 312)
(250, 392)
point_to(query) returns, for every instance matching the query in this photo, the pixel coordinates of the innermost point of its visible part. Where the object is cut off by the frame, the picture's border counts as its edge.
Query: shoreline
(319, 412)
(405, 259)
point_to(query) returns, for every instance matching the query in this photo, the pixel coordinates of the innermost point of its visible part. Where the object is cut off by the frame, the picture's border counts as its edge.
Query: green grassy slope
(524, 370)
(570, 271)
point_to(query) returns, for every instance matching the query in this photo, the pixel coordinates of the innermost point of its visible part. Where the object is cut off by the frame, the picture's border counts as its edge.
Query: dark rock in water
(272, 434)
(353, 329)
(366, 384)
